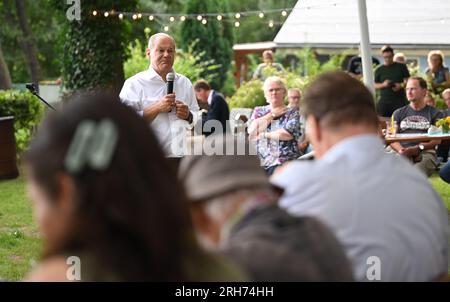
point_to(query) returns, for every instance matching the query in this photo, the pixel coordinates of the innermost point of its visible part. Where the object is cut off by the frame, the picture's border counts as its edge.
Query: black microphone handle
(169, 87)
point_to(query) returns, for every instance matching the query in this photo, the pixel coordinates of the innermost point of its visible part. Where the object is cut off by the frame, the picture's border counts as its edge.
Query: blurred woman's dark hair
(132, 218)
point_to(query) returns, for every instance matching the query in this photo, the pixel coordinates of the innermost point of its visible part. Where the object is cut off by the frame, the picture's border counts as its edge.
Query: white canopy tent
(411, 26)
(335, 24)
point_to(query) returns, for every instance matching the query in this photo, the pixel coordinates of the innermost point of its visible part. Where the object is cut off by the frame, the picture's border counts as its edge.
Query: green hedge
(251, 94)
(27, 111)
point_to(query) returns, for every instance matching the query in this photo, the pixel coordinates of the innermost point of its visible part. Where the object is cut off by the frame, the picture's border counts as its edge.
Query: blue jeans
(445, 172)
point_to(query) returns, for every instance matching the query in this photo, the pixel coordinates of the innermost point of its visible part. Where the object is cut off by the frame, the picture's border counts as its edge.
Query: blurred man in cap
(234, 210)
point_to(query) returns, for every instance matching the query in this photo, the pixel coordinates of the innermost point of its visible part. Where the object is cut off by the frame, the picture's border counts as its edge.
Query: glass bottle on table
(391, 128)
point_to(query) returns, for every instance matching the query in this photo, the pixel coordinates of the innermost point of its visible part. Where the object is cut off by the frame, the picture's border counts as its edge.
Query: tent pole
(365, 47)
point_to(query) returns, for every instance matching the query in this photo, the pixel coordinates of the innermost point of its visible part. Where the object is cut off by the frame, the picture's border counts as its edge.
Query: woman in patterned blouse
(275, 127)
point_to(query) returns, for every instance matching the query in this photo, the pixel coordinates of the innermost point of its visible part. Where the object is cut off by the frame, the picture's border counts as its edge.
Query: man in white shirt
(146, 92)
(389, 219)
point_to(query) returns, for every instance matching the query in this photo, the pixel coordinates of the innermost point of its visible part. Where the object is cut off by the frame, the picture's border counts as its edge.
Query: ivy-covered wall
(95, 46)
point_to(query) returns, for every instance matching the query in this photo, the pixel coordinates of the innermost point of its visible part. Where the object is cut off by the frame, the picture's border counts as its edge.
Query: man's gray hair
(446, 91)
(152, 39)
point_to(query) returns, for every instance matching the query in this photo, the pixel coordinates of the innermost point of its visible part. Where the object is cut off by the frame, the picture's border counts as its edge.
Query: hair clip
(102, 148)
(93, 145)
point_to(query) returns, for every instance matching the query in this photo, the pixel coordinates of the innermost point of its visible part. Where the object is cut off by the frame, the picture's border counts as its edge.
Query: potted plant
(8, 166)
(444, 124)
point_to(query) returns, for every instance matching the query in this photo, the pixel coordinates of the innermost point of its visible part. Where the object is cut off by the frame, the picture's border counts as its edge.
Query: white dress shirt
(209, 100)
(378, 204)
(146, 88)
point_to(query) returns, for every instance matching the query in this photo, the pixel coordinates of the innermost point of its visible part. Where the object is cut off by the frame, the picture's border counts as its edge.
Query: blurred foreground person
(107, 202)
(393, 225)
(234, 210)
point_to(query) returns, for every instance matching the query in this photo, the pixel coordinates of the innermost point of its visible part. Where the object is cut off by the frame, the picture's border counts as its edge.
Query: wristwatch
(421, 147)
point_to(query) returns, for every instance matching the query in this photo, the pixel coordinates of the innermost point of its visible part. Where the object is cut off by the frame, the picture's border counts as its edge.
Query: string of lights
(236, 18)
(172, 17)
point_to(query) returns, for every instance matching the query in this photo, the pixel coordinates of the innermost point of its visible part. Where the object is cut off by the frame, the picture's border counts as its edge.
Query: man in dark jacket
(234, 211)
(218, 112)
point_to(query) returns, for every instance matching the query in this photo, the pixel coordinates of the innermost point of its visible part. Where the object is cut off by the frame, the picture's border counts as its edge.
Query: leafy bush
(309, 65)
(185, 63)
(137, 60)
(27, 111)
(251, 94)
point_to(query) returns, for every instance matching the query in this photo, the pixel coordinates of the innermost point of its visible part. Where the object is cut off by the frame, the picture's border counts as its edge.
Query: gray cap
(205, 177)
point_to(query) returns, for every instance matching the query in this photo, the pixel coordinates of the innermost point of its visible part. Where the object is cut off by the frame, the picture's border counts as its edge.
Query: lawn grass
(20, 243)
(19, 240)
(442, 188)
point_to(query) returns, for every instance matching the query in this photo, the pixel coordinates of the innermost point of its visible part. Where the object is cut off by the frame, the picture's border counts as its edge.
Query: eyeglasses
(275, 89)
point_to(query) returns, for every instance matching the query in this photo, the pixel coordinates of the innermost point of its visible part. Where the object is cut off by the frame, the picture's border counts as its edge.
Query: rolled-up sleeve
(131, 96)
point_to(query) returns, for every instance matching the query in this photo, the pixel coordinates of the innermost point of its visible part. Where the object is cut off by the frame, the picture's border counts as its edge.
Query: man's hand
(182, 110)
(167, 103)
(386, 83)
(397, 87)
(277, 112)
(410, 152)
(302, 146)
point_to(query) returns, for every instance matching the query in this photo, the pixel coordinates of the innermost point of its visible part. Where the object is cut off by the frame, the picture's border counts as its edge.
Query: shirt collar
(358, 143)
(210, 97)
(152, 74)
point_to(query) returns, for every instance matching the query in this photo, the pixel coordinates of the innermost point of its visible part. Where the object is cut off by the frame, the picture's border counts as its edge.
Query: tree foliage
(94, 47)
(46, 24)
(215, 39)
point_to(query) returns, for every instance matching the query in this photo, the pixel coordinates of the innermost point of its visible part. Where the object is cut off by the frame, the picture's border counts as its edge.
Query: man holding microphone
(161, 96)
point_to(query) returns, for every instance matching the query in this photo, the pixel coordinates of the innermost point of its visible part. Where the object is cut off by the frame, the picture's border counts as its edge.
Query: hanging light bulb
(182, 18)
(139, 15)
(261, 15)
(204, 21)
(134, 17)
(172, 19)
(236, 24)
(120, 16)
(106, 14)
(271, 23)
(238, 15)
(151, 17)
(284, 13)
(166, 28)
(199, 18)
(219, 17)
(94, 13)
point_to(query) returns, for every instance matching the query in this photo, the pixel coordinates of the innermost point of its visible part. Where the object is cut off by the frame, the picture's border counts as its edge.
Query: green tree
(44, 27)
(253, 28)
(215, 39)
(95, 46)
(5, 78)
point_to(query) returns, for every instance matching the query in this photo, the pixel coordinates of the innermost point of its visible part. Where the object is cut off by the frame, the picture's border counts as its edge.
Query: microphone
(32, 88)
(169, 78)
